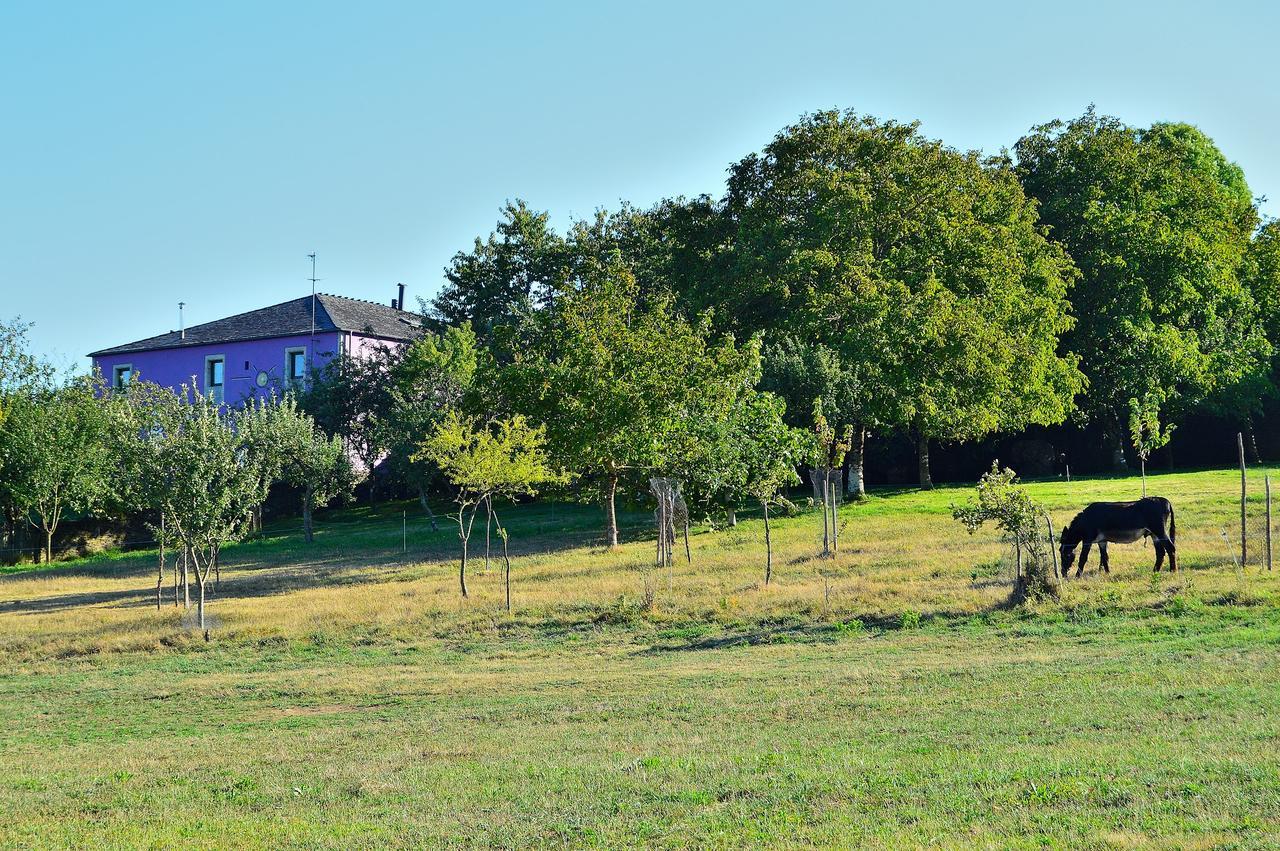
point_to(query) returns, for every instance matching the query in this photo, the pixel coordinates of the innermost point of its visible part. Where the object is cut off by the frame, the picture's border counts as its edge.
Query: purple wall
(172, 367)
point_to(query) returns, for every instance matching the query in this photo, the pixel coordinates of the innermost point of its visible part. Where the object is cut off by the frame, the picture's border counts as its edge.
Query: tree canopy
(1158, 223)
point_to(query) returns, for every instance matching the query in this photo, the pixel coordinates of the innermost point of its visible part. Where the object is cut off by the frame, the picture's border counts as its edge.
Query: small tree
(770, 451)
(1145, 430)
(145, 472)
(210, 479)
(1002, 501)
(483, 460)
(61, 441)
(830, 447)
(285, 444)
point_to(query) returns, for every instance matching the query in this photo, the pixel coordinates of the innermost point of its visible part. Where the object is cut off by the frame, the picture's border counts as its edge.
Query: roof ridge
(332, 312)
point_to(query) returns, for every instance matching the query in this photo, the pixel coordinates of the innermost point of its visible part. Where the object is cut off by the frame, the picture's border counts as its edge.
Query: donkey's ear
(1064, 532)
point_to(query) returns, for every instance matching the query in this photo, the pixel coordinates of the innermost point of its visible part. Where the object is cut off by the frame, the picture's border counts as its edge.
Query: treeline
(856, 287)
(1100, 278)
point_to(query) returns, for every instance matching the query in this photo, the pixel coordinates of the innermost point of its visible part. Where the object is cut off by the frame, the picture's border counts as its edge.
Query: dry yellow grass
(900, 552)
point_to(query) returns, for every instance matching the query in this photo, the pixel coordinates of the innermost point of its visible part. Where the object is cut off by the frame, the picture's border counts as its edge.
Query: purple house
(262, 351)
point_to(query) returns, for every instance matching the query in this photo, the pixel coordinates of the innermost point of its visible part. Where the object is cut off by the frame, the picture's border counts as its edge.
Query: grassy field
(890, 696)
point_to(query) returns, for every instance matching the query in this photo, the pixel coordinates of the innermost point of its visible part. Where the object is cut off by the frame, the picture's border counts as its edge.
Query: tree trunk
(835, 522)
(488, 528)
(506, 561)
(922, 457)
(160, 567)
(462, 569)
(768, 545)
(1118, 462)
(186, 582)
(857, 488)
(826, 521)
(422, 499)
(308, 530)
(1143, 463)
(1251, 442)
(200, 603)
(733, 516)
(464, 534)
(48, 546)
(611, 512)
(688, 556)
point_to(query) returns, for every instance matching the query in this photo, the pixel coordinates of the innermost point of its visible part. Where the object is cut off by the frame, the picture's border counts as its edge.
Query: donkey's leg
(1173, 555)
(1159, 553)
(1102, 554)
(1084, 556)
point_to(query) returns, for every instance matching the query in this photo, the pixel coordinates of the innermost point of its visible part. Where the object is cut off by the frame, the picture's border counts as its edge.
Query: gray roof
(333, 313)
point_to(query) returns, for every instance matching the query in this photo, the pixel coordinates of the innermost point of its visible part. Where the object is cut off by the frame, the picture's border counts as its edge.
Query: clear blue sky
(157, 152)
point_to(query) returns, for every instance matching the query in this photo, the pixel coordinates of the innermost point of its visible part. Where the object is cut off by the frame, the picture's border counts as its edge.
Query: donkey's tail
(1173, 526)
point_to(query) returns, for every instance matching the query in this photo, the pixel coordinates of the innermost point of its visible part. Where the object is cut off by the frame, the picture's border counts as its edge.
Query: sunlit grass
(350, 697)
(900, 551)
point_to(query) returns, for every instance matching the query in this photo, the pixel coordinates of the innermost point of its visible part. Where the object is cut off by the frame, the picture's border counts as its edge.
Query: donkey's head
(1067, 544)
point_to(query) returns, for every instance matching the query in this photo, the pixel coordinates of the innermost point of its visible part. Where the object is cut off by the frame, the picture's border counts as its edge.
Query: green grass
(349, 698)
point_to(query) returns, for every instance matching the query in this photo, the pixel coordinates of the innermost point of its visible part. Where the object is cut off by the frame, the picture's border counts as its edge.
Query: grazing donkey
(1120, 523)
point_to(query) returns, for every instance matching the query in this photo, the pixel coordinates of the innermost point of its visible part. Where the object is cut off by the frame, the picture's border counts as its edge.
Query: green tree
(1006, 504)
(284, 444)
(210, 480)
(800, 371)
(484, 460)
(519, 267)
(61, 441)
(380, 402)
(763, 453)
(924, 269)
(1158, 222)
(1145, 431)
(21, 373)
(611, 377)
(146, 471)
(427, 378)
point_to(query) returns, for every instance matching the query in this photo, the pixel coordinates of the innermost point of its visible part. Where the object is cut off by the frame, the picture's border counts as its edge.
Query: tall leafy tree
(610, 375)
(1158, 223)
(519, 266)
(924, 269)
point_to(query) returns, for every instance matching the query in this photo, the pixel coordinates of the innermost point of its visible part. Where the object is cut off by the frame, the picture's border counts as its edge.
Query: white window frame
(115, 375)
(289, 377)
(217, 392)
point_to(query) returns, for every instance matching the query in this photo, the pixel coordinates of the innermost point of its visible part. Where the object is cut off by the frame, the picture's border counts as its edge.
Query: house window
(121, 374)
(215, 377)
(295, 365)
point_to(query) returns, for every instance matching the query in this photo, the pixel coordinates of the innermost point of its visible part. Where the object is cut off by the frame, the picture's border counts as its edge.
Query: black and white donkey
(1102, 523)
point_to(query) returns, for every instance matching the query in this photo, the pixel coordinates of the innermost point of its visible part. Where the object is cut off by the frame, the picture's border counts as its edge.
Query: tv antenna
(182, 328)
(312, 279)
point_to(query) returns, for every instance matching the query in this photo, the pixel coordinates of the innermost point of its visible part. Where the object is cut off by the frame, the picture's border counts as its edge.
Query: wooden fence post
(1053, 550)
(1244, 531)
(1267, 480)
(835, 534)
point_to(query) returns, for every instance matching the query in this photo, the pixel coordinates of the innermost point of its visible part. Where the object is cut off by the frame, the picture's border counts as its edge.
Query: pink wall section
(243, 361)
